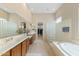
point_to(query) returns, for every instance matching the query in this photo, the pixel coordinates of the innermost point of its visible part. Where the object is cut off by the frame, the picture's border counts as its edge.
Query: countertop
(8, 43)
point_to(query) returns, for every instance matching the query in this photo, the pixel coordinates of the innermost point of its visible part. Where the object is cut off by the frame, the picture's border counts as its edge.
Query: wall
(78, 22)
(46, 19)
(3, 14)
(69, 14)
(20, 8)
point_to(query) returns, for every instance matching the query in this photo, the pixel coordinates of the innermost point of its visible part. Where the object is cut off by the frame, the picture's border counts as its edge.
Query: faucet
(8, 39)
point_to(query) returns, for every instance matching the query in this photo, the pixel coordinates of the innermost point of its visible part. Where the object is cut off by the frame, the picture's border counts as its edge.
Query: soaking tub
(67, 48)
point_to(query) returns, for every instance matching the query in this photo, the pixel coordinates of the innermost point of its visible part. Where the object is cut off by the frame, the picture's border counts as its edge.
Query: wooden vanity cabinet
(32, 39)
(24, 48)
(27, 43)
(16, 51)
(21, 49)
(6, 54)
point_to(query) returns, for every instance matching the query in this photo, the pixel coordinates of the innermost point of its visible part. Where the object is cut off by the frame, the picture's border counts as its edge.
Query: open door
(40, 29)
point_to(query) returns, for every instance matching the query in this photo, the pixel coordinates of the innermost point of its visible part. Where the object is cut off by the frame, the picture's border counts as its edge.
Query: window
(59, 19)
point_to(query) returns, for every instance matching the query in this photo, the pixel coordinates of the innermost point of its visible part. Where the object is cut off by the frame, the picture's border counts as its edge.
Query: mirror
(11, 24)
(7, 28)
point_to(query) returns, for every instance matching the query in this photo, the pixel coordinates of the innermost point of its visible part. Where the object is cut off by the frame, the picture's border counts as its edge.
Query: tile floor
(40, 48)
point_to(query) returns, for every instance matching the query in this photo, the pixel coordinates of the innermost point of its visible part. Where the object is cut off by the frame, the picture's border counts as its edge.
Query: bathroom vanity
(18, 46)
(13, 40)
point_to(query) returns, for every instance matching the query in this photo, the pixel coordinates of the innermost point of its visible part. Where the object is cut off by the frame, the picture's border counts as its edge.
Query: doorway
(40, 29)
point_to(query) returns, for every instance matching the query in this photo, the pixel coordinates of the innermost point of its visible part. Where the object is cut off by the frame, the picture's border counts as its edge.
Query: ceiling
(44, 7)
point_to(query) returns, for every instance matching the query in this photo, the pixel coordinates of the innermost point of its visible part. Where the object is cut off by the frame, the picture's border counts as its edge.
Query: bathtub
(67, 48)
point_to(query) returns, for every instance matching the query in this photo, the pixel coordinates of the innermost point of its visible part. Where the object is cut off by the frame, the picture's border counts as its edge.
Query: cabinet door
(34, 37)
(27, 43)
(30, 40)
(24, 48)
(16, 51)
(6, 54)
(19, 50)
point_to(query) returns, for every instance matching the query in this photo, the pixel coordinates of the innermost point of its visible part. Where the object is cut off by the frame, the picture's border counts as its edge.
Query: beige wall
(45, 19)
(69, 14)
(3, 14)
(78, 23)
(20, 8)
